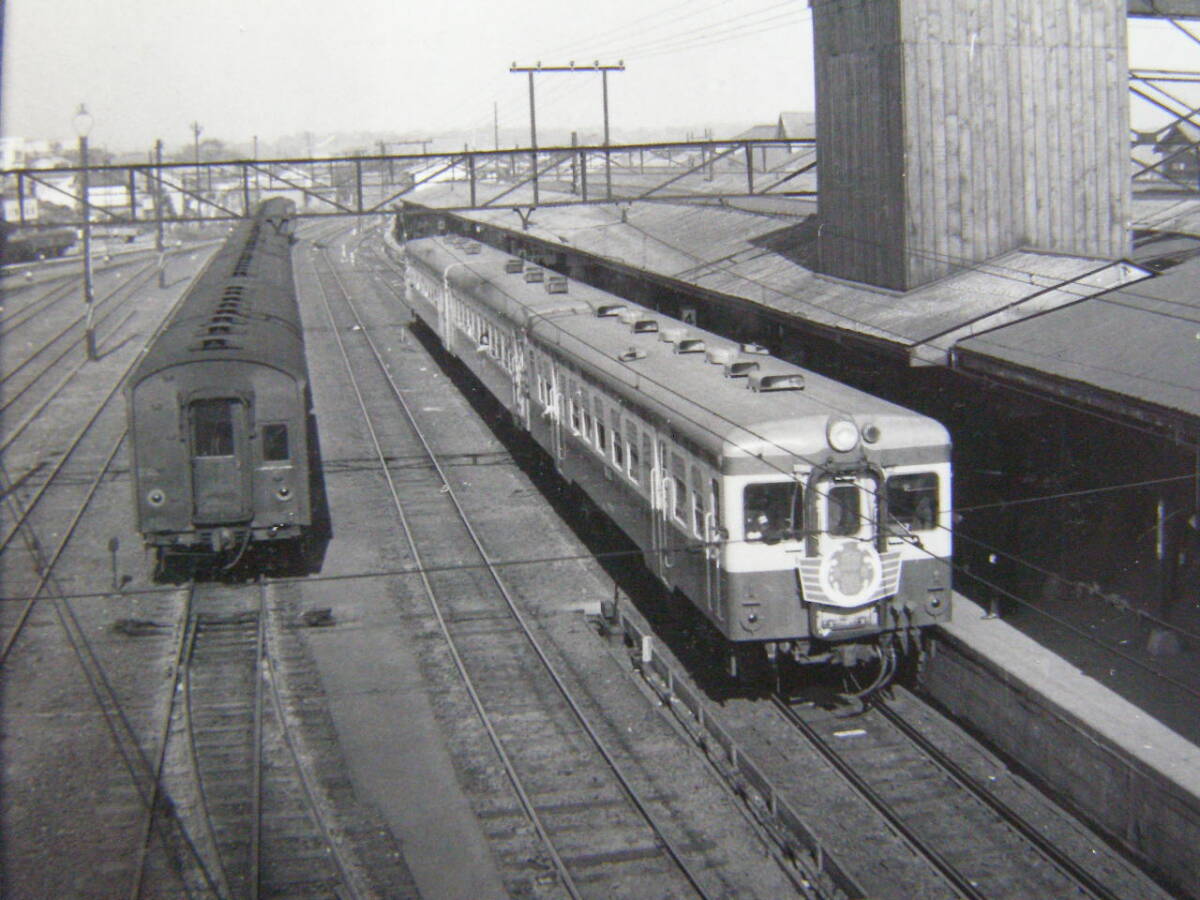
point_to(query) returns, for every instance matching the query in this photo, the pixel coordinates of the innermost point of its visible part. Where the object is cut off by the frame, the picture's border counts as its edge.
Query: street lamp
(83, 125)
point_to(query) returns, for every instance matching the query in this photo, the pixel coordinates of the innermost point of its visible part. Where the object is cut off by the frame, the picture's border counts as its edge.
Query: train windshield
(774, 511)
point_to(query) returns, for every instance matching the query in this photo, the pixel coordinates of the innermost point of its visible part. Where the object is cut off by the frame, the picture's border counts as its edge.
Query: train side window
(275, 443)
(588, 433)
(714, 499)
(601, 429)
(647, 456)
(618, 442)
(212, 427)
(678, 476)
(631, 448)
(913, 500)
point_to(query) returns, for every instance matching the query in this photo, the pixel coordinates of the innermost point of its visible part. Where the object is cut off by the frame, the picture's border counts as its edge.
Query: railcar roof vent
(215, 343)
(672, 334)
(755, 349)
(740, 368)
(514, 265)
(534, 275)
(471, 248)
(609, 309)
(631, 354)
(689, 345)
(775, 381)
(645, 326)
(556, 284)
(720, 356)
(629, 316)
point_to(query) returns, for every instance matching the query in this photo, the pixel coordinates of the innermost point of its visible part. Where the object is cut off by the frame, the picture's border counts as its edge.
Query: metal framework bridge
(133, 194)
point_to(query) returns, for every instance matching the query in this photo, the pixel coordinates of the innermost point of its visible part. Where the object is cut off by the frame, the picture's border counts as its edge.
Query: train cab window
(212, 427)
(844, 512)
(913, 500)
(774, 511)
(275, 443)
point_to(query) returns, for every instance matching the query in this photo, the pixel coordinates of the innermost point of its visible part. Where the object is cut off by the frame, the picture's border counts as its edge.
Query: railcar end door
(218, 432)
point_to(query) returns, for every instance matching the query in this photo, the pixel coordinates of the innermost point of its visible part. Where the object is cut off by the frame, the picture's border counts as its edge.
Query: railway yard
(472, 690)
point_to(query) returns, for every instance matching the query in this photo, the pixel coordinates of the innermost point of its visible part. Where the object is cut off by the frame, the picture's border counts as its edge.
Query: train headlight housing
(156, 497)
(842, 434)
(283, 492)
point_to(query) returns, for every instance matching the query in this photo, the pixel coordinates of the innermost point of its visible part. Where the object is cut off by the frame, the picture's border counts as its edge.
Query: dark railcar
(218, 407)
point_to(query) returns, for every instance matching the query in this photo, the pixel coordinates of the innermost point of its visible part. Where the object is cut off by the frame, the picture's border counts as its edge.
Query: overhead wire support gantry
(570, 68)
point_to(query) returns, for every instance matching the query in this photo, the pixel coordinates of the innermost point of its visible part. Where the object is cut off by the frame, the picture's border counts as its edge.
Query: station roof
(1027, 309)
(1141, 342)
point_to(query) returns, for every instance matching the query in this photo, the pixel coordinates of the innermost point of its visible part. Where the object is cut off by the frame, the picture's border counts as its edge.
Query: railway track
(598, 835)
(959, 823)
(231, 764)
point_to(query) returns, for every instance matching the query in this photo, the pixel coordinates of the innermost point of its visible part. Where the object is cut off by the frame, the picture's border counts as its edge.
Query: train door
(444, 328)
(522, 361)
(712, 548)
(661, 503)
(218, 435)
(557, 410)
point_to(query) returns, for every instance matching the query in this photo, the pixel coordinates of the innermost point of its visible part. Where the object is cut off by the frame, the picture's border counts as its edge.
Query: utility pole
(539, 68)
(159, 244)
(196, 129)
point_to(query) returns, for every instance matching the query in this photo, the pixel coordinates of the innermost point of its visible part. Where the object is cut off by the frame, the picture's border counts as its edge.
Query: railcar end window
(913, 500)
(275, 443)
(845, 515)
(212, 427)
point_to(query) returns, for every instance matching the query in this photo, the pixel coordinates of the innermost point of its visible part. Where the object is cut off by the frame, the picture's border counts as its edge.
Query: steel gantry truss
(145, 193)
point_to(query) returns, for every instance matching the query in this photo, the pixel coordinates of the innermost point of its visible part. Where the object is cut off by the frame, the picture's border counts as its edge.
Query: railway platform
(1113, 763)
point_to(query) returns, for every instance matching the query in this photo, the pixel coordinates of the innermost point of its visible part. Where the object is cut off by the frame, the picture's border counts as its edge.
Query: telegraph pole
(539, 68)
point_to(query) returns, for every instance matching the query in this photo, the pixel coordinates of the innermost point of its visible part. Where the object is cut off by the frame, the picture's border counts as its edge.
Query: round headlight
(842, 435)
(156, 497)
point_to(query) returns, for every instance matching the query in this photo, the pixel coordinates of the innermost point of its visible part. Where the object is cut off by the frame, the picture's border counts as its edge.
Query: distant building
(790, 126)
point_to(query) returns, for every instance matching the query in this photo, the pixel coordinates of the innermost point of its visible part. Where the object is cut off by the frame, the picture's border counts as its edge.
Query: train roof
(689, 377)
(241, 307)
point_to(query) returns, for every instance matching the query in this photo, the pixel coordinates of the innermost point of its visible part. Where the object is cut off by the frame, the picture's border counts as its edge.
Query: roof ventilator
(556, 284)
(778, 381)
(514, 265)
(631, 354)
(645, 326)
(689, 345)
(534, 275)
(672, 334)
(740, 368)
(609, 309)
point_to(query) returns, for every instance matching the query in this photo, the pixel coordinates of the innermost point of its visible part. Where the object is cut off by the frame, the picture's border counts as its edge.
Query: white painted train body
(795, 513)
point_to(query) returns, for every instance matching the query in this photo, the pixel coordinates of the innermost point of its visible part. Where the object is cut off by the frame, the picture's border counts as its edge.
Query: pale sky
(147, 68)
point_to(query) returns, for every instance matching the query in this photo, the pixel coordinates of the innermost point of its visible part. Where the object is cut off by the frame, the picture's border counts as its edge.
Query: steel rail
(78, 437)
(527, 630)
(31, 416)
(960, 882)
(505, 760)
(81, 319)
(119, 727)
(8, 323)
(333, 848)
(256, 780)
(1065, 864)
(183, 652)
(47, 566)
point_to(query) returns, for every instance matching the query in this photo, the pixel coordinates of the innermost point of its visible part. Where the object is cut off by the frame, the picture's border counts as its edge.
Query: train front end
(839, 537)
